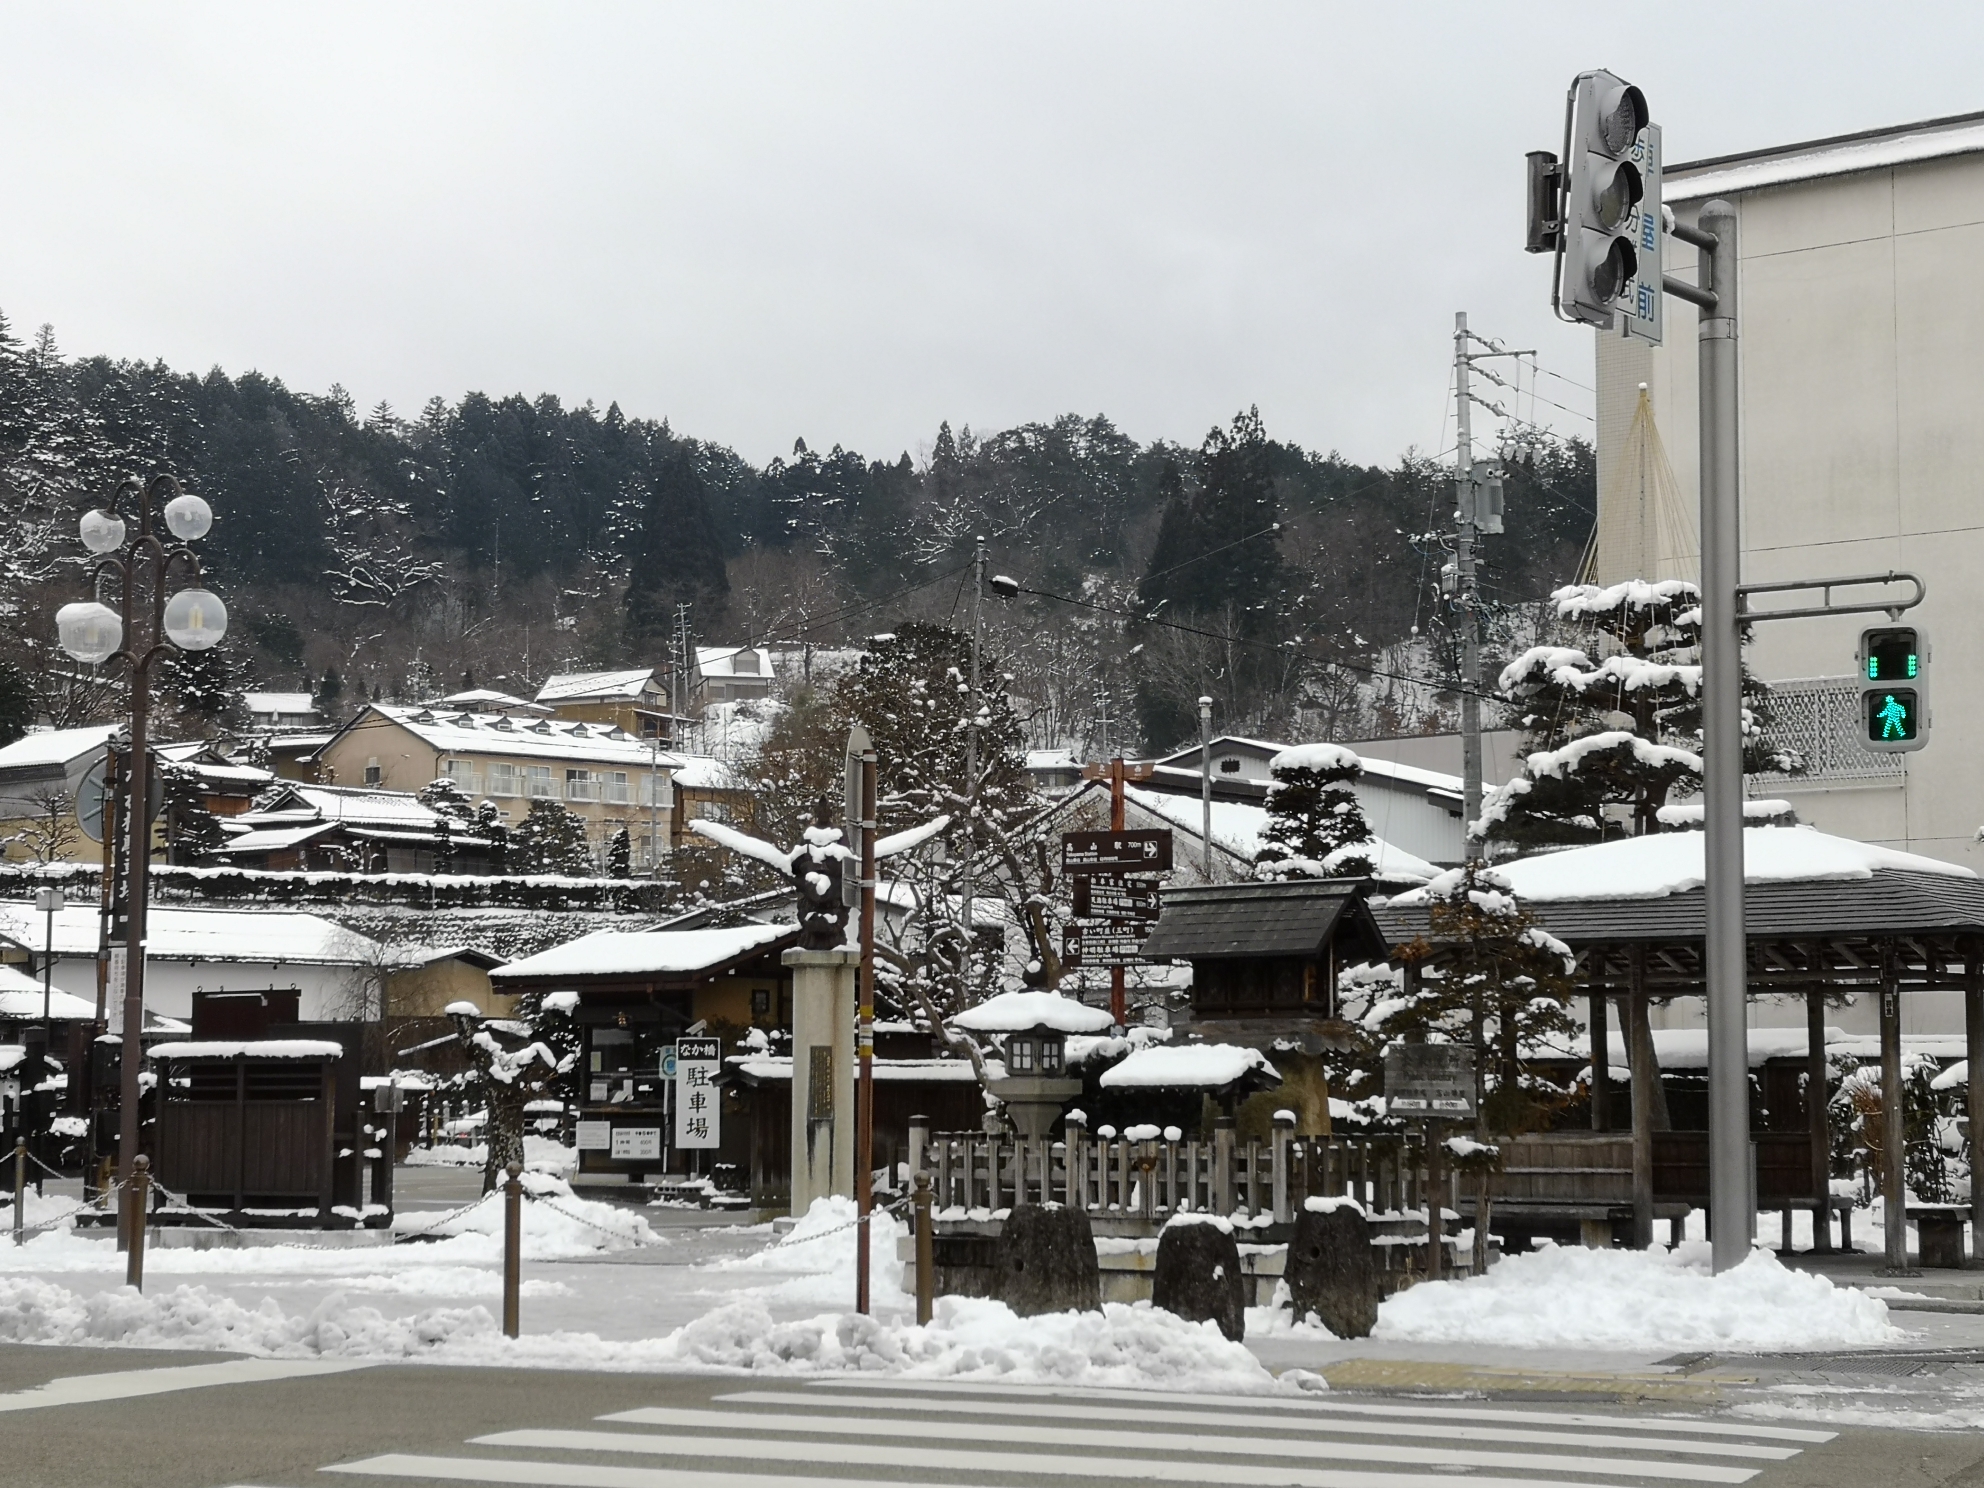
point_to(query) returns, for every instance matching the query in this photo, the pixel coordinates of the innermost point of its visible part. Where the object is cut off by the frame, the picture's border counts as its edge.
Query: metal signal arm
(1891, 608)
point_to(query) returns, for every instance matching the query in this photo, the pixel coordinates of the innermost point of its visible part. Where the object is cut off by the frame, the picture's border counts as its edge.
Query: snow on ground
(1570, 1297)
(542, 1153)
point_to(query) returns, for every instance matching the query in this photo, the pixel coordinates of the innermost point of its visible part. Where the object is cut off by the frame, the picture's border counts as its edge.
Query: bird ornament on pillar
(818, 865)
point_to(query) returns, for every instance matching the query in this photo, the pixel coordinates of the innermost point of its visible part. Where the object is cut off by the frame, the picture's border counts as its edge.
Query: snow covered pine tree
(1315, 827)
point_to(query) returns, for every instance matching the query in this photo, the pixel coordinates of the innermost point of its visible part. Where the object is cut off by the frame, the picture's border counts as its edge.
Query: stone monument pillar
(823, 1011)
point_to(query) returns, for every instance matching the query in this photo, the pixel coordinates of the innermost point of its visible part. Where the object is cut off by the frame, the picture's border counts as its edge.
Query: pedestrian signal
(1894, 697)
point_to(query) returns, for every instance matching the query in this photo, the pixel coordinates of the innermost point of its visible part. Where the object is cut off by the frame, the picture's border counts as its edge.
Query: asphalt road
(108, 1418)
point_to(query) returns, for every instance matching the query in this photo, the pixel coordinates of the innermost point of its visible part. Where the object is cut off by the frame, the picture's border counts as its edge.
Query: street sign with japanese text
(1100, 896)
(1102, 944)
(698, 1121)
(1429, 1080)
(1116, 852)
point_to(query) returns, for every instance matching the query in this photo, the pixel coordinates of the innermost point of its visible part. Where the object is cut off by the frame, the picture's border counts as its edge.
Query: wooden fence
(1115, 1178)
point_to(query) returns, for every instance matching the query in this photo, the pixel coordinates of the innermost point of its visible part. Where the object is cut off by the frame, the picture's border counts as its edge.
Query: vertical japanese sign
(697, 1121)
(1640, 306)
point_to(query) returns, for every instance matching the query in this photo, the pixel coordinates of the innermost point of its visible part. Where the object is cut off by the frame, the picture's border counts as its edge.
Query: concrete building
(1860, 384)
(633, 699)
(608, 777)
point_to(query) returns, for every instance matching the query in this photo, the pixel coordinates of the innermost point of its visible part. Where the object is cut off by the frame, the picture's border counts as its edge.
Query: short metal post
(1436, 1201)
(20, 1190)
(1894, 1188)
(926, 1252)
(513, 1247)
(1818, 1125)
(1284, 1137)
(139, 1197)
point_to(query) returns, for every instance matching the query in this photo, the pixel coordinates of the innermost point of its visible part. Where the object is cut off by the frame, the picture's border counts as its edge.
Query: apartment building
(608, 777)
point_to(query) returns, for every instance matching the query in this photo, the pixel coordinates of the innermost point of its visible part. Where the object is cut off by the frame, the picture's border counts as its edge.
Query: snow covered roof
(644, 953)
(249, 1049)
(1237, 827)
(489, 733)
(1881, 149)
(275, 839)
(1188, 1066)
(922, 1071)
(1665, 863)
(488, 700)
(21, 999)
(297, 804)
(278, 702)
(722, 661)
(701, 772)
(1052, 759)
(1015, 1012)
(625, 685)
(255, 935)
(47, 748)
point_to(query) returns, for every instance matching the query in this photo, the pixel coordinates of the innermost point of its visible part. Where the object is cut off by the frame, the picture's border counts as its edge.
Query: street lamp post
(49, 902)
(146, 628)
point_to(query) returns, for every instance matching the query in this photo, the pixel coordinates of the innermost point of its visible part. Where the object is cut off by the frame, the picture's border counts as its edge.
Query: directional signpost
(1113, 912)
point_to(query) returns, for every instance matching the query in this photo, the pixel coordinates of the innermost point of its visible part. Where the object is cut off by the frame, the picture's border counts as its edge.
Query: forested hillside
(387, 554)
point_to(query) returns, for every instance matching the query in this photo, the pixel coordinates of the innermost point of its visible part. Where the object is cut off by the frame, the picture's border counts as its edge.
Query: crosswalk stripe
(129, 1384)
(1037, 1409)
(1057, 1463)
(587, 1475)
(1330, 1407)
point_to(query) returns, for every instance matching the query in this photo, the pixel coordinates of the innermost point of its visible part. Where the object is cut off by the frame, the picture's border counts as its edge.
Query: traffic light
(1604, 229)
(1894, 688)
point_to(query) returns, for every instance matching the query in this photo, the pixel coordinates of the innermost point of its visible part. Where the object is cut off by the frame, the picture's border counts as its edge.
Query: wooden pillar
(1601, 1064)
(1645, 1074)
(1893, 1136)
(1973, 1043)
(1817, 1121)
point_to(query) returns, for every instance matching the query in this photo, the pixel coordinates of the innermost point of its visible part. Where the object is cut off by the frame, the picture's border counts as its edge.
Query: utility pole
(1119, 992)
(1205, 788)
(864, 1031)
(971, 766)
(1467, 594)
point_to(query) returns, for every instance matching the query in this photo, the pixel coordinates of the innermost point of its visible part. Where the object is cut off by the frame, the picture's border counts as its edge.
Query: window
(372, 773)
(1229, 767)
(1050, 1056)
(538, 784)
(503, 781)
(1019, 1056)
(614, 786)
(580, 786)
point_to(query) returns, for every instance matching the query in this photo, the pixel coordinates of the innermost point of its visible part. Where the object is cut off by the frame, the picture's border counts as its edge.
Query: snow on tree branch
(743, 844)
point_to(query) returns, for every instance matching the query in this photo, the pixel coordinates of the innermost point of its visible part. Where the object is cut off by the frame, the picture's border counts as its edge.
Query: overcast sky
(847, 222)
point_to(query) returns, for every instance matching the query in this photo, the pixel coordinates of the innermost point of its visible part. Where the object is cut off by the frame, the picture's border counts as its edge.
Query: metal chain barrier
(185, 1205)
(400, 1237)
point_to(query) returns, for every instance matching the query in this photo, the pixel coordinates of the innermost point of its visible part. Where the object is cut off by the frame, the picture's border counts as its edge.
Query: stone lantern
(1034, 1027)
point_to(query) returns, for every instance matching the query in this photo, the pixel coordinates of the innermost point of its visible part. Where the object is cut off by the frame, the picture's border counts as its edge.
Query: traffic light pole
(1731, 1207)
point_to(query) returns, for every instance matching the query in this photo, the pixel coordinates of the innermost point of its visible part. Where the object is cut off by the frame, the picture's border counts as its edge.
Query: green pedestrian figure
(1891, 717)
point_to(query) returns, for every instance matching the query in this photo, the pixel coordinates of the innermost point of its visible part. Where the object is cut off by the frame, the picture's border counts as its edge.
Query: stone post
(823, 1005)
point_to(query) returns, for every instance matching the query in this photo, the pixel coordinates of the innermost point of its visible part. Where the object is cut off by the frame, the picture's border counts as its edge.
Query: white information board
(636, 1143)
(698, 1122)
(595, 1136)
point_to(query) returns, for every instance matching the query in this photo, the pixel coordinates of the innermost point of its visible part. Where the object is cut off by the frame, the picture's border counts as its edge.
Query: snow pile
(556, 1221)
(37, 1311)
(541, 1154)
(1568, 1297)
(975, 1338)
(819, 1255)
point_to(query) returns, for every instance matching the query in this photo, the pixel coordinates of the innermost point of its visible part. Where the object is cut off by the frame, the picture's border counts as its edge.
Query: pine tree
(1490, 975)
(1315, 826)
(551, 839)
(1612, 725)
(620, 855)
(16, 702)
(679, 554)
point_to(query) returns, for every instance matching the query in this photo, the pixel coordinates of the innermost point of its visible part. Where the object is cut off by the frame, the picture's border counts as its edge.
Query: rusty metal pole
(926, 1253)
(864, 1034)
(513, 1247)
(1119, 1000)
(139, 1195)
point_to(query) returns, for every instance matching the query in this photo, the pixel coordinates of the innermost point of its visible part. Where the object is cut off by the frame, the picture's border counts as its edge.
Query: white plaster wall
(1862, 387)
